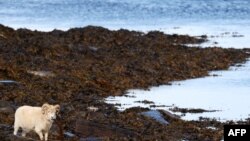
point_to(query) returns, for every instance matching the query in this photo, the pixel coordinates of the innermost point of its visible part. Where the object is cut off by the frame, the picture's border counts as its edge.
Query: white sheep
(38, 119)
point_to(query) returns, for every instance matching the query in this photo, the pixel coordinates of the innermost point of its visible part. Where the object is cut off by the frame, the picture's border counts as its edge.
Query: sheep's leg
(40, 133)
(15, 129)
(24, 132)
(46, 135)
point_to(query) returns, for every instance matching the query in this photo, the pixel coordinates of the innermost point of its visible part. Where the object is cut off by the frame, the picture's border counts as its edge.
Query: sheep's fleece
(38, 119)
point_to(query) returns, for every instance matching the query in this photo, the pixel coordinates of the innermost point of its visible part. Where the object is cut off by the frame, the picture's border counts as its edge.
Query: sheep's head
(50, 111)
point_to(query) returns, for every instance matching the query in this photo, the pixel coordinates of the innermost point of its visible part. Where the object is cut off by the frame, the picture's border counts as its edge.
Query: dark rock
(8, 82)
(190, 110)
(68, 134)
(92, 139)
(167, 113)
(19, 138)
(145, 102)
(7, 110)
(94, 129)
(6, 107)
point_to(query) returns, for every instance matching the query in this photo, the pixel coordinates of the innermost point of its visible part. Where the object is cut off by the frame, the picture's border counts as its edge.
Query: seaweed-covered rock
(79, 67)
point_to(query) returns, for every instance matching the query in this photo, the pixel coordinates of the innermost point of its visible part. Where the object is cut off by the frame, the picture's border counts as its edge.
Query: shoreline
(91, 63)
(202, 96)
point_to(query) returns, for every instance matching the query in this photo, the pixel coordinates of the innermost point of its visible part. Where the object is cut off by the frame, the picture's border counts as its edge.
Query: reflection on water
(228, 93)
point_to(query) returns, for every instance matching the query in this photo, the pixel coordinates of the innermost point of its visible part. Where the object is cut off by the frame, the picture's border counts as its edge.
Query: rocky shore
(78, 68)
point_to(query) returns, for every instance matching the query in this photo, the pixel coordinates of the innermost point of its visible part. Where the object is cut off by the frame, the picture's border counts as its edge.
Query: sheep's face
(50, 111)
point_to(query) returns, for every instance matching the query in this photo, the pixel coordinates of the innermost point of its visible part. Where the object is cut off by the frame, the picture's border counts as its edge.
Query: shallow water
(228, 93)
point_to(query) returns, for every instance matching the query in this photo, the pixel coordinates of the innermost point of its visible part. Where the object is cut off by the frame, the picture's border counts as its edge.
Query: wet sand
(80, 67)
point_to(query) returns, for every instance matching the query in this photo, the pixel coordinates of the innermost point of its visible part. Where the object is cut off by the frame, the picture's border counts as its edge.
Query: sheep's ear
(57, 107)
(45, 107)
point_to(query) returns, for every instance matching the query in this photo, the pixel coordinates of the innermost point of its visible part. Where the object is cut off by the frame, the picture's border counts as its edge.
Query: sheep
(38, 119)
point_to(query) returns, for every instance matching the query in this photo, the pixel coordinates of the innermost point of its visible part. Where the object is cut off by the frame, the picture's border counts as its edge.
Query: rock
(167, 113)
(190, 110)
(155, 115)
(68, 134)
(5, 126)
(7, 110)
(65, 107)
(93, 109)
(83, 114)
(4, 104)
(8, 82)
(42, 73)
(19, 138)
(86, 128)
(145, 102)
(2, 36)
(93, 48)
(6, 107)
(91, 139)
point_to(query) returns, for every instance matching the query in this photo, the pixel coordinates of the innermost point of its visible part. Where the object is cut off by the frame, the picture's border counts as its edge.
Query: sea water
(225, 92)
(226, 22)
